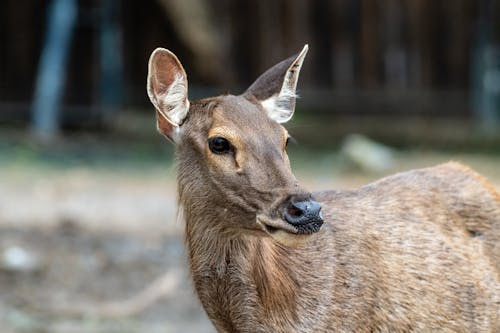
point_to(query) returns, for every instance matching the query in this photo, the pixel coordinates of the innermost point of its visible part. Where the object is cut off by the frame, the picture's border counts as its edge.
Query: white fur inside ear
(281, 107)
(174, 104)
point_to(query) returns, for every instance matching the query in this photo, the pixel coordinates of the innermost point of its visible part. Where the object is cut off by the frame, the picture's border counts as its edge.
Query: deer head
(231, 150)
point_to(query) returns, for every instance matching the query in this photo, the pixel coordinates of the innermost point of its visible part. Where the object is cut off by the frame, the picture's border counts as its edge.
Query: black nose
(304, 215)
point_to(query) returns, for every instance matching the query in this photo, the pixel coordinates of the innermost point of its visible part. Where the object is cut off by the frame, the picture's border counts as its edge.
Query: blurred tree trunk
(111, 61)
(52, 68)
(196, 27)
(486, 68)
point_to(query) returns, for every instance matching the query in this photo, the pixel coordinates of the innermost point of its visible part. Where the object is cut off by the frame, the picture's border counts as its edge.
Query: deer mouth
(274, 226)
(286, 233)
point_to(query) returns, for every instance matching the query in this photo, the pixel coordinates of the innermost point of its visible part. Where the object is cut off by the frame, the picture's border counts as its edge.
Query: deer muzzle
(296, 216)
(304, 215)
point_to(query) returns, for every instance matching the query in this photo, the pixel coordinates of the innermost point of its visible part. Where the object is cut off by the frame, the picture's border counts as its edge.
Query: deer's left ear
(276, 88)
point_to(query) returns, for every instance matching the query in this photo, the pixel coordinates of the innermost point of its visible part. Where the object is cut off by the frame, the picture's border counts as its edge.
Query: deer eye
(219, 145)
(289, 139)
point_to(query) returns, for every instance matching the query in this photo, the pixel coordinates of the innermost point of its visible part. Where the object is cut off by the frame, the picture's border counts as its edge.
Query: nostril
(293, 210)
(304, 215)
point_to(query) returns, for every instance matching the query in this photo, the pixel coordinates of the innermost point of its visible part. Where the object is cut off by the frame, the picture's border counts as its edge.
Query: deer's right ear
(167, 90)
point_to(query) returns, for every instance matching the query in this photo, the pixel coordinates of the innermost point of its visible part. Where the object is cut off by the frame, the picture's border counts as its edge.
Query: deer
(418, 251)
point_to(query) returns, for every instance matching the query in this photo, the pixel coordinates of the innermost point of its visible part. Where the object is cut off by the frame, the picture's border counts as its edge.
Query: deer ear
(167, 90)
(276, 88)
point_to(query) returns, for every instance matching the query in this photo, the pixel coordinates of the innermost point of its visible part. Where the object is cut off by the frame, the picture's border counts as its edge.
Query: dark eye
(290, 140)
(219, 145)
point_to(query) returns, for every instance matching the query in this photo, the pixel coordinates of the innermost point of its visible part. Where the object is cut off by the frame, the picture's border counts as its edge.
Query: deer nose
(304, 215)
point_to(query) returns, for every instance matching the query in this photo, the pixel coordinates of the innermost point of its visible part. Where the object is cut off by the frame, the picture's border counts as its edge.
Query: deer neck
(240, 279)
(237, 275)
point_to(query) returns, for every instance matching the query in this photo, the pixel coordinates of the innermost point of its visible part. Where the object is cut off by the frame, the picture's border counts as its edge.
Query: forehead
(244, 116)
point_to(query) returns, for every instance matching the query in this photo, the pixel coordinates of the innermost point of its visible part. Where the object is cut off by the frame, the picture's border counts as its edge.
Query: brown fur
(414, 252)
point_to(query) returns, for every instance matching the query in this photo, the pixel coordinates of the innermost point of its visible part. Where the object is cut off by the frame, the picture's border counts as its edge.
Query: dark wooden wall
(356, 46)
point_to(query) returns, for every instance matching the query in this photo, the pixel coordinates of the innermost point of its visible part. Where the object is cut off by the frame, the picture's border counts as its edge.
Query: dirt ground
(99, 234)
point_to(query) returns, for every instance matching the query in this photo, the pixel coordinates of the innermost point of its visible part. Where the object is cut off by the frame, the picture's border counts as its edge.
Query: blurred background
(89, 238)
